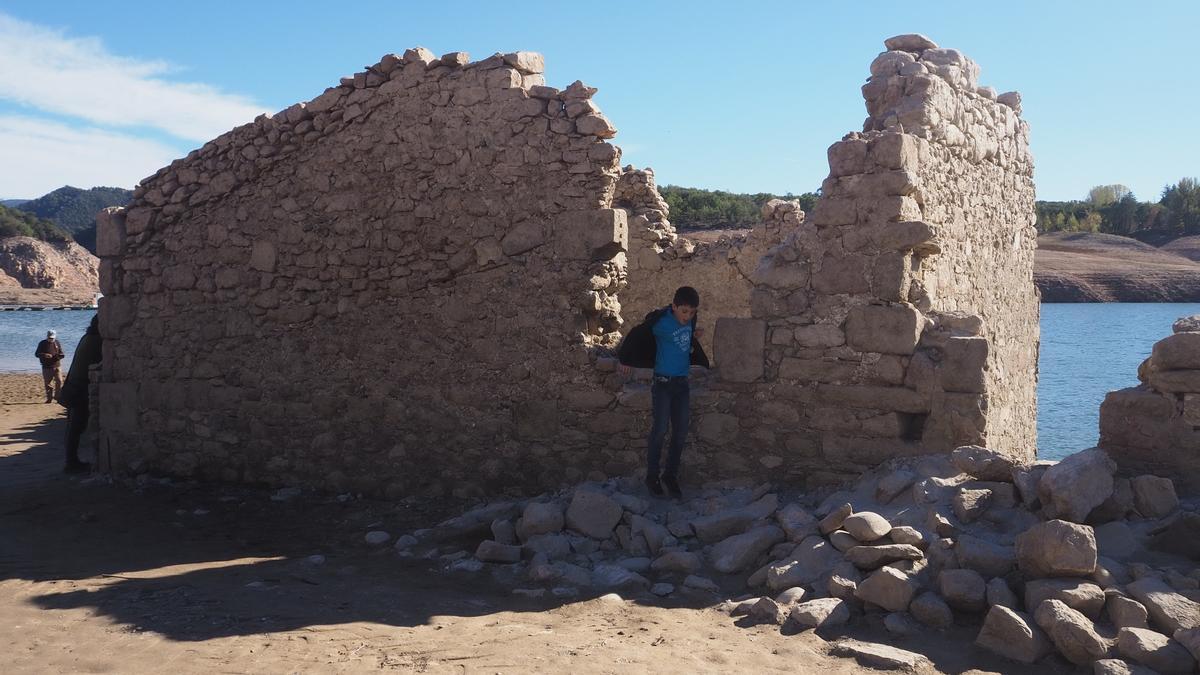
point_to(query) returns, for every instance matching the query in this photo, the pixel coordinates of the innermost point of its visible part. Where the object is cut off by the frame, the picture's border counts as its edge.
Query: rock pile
(1042, 556)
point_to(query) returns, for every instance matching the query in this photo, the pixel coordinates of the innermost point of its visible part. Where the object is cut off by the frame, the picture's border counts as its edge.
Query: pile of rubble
(1046, 556)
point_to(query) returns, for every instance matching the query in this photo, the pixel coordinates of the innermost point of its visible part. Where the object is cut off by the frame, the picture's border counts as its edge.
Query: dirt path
(187, 578)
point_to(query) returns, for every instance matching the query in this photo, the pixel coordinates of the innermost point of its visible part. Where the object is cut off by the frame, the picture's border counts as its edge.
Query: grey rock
(811, 559)
(969, 505)
(835, 518)
(1071, 632)
(553, 546)
(791, 596)
(904, 534)
(901, 624)
(767, 610)
(797, 522)
(982, 463)
(1190, 639)
(1118, 505)
(377, 537)
(891, 485)
(721, 525)
(615, 576)
(821, 613)
(866, 526)
(843, 540)
(1119, 667)
(662, 589)
(739, 551)
(701, 583)
(681, 562)
(1013, 635)
(1125, 612)
(999, 593)
(1154, 497)
(881, 656)
(1079, 483)
(1154, 650)
(503, 531)
(990, 560)
(909, 42)
(963, 589)
(930, 609)
(491, 551)
(887, 588)
(1116, 540)
(593, 514)
(1026, 478)
(639, 565)
(1169, 610)
(1087, 598)
(1057, 548)
(870, 557)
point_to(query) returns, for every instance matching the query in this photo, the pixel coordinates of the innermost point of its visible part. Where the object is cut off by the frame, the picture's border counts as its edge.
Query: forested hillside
(697, 209)
(74, 209)
(15, 223)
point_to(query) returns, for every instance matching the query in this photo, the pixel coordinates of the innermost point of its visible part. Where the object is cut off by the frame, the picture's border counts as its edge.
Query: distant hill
(1093, 267)
(75, 209)
(17, 223)
(12, 203)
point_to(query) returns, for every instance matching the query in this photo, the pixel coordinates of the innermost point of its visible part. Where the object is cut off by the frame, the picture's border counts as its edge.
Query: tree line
(1113, 209)
(15, 223)
(697, 209)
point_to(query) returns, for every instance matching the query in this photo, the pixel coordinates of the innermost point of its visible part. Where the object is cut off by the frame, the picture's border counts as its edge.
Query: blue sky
(741, 97)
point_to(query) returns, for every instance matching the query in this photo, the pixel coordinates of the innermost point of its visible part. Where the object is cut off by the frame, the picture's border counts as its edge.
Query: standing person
(75, 394)
(666, 341)
(50, 353)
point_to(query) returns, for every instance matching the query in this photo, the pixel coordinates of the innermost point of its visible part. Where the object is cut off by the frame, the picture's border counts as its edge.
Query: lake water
(21, 331)
(1087, 351)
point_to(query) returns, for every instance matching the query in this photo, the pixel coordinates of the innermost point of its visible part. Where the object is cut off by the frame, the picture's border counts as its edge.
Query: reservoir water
(1087, 351)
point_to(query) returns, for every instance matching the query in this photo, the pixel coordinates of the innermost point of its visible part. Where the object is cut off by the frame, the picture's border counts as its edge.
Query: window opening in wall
(912, 426)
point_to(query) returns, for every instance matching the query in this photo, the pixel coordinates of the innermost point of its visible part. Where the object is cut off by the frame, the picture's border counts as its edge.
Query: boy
(666, 340)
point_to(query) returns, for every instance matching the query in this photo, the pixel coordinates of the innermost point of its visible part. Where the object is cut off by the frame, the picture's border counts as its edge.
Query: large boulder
(990, 560)
(797, 523)
(880, 656)
(888, 588)
(1013, 635)
(593, 514)
(963, 589)
(811, 559)
(1169, 611)
(1077, 594)
(930, 609)
(866, 526)
(540, 518)
(1154, 497)
(1079, 483)
(982, 463)
(1125, 612)
(739, 551)
(821, 613)
(723, 524)
(999, 593)
(870, 557)
(1071, 632)
(1154, 650)
(1057, 548)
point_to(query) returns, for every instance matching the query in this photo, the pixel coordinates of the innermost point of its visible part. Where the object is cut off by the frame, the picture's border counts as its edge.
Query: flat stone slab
(874, 655)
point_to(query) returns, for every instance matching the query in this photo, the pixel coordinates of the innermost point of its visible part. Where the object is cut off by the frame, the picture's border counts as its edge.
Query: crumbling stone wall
(412, 284)
(1155, 426)
(661, 260)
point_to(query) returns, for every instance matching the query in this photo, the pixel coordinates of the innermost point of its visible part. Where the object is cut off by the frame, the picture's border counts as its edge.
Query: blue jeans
(671, 398)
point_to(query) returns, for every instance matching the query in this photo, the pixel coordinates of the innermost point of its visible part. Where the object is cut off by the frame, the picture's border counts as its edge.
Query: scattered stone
(1013, 635)
(903, 534)
(1057, 548)
(931, 610)
(743, 608)
(739, 551)
(875, 655)
(639, 565)
(1118, 505)
(1079, 483)
(1169, 611)
(1119, 667)
(700, 583)
(529, 592)
(553, 546)
(901, 624)
(888, 588)
(615, 576)
(982, 463)
(1154, 497)
(1154, 650)
(866, 526)
(593, 514)
(493, 551)
(767, 610)
(871, 557)
(315, 560)
(1125, 612)
(791, 596)
(466, 565)
(891, 485)
(1079, 595)
(503, 531)
(377, 537)
(539, 518)
(681, 562)
(405, 542)
(821, 613)
(722, 525)
(1115, 540)
(1071, 632)
(990, 560)
(1181, 536)
(1190, 639)
(963, 589)
(999, 593)
(811, 558)
(835, 518)
(969, 505)
(843, 540)
(797, 523)
(1026, 478)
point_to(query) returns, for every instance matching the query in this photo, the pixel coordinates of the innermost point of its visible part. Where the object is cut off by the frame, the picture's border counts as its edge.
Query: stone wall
(410, 284)
(1155, 427)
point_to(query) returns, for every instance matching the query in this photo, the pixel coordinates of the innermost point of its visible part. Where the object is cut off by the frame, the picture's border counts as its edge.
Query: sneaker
(654, 486)
(672, 487)
(77, 467)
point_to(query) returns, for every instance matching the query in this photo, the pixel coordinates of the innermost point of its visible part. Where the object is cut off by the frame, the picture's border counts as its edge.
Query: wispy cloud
(78, 77)
(39, 156)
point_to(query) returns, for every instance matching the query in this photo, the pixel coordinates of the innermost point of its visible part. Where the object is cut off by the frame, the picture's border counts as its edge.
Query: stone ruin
(413, 283)
(1155, 427)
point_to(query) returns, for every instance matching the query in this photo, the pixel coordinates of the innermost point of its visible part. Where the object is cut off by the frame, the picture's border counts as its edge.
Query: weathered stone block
(594, 234)
(536, 419)
(118, 406)
(738, 348)
(964, 365)
(886, 329)
(110, 232)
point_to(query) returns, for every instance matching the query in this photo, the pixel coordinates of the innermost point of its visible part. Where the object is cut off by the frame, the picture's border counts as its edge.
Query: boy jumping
(669, 334)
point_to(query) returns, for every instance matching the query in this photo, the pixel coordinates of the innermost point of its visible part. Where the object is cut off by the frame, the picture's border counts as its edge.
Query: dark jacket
(639, 348)
(49, 352)
(74, 392)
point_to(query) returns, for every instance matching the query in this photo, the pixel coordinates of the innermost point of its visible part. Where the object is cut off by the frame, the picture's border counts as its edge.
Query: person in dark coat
(50, 353)
(667, 341)
(75, 397)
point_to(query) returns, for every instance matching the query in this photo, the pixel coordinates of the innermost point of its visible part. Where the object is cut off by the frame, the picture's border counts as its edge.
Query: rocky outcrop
(37, 272)
(1090, 267)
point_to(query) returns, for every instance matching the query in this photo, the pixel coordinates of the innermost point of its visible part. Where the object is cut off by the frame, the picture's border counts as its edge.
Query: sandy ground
(182, 577)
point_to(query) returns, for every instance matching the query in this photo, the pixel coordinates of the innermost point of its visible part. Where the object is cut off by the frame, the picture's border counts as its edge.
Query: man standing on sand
(50, 353)
(666, 341)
